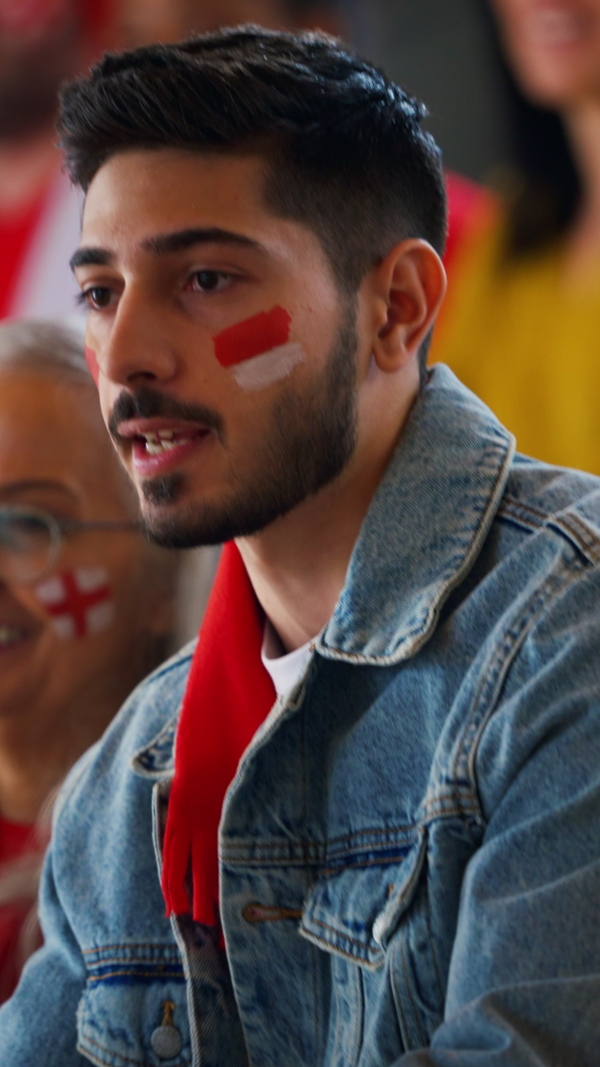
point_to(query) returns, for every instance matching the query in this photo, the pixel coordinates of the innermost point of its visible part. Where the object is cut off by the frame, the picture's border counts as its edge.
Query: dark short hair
(346, 150)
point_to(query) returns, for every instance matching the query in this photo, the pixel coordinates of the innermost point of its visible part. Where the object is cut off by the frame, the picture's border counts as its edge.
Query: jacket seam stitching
(568, 523)
(496, 673)
(124, 1059)
(122, 946)
(172, 976)
(345, 937)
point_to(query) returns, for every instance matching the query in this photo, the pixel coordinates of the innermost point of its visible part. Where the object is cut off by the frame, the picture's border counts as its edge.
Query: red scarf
(228, 695)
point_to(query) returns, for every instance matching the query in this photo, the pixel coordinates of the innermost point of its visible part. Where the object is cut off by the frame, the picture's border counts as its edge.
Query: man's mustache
(147, 404)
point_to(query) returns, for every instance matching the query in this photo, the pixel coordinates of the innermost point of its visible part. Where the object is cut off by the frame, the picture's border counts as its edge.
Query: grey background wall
(437, 50)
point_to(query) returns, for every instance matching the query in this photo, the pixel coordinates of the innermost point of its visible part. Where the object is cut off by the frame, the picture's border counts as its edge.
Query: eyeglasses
(31, 540)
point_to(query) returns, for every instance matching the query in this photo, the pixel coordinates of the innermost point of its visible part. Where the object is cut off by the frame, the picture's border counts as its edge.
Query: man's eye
(208, 281)
(97, 296)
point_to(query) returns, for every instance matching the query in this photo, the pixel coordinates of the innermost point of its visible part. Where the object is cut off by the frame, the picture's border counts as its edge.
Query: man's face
(225, 355)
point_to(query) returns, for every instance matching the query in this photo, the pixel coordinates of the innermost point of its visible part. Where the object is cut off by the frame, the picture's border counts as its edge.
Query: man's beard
(308, 443)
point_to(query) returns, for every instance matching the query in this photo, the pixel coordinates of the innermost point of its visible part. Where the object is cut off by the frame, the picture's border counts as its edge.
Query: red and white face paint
(79, 602)
(92, 362)
(258, 350)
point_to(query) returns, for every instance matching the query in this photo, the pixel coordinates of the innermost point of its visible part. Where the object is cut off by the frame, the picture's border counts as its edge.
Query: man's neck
(298, 564)
(298, 568)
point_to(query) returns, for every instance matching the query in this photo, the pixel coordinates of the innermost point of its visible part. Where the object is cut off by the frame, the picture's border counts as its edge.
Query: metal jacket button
(166, 1040)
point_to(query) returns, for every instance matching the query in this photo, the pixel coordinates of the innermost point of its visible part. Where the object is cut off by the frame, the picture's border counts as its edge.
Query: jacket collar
(421, 536)
(425, 526)
(157, 760)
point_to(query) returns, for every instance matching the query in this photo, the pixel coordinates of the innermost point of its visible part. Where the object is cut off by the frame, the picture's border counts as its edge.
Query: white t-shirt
(285, 669)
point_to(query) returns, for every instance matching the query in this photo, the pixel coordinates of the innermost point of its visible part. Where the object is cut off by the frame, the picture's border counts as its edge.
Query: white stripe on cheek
(89, 579)
(64, 627)
(100, 617)
(79, 602)
(269, 367)
(50, 591)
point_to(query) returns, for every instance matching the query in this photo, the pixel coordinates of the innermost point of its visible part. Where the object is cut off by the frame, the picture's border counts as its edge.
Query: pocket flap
(355, 907)
(134, 1008)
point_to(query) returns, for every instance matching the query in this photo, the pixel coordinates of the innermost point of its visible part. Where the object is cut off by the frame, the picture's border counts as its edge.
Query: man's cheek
(79, 602)
(92, 362)
(258, 350)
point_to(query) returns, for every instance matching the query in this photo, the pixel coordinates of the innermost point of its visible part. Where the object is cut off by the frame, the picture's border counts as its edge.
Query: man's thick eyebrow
(91, 257)
(163, 244)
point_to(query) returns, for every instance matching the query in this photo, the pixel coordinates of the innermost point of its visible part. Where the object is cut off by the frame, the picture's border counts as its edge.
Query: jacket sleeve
(524, 980)
(38, 1025)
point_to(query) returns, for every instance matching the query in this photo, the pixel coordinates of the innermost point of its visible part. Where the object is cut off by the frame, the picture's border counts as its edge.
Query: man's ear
(410, 284)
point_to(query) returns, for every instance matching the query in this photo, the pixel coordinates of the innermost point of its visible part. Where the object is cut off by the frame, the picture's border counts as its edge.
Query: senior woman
(86, 603)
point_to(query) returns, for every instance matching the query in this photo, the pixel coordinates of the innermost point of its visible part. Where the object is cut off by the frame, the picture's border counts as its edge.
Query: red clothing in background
(467, 203)
(16, 840)
(16, 233)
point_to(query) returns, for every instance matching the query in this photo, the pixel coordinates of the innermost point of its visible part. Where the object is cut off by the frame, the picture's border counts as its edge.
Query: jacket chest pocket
(134, 1008)
(371, 916)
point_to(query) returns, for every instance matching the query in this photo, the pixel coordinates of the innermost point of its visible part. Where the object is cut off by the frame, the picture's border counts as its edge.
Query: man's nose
(140, 343)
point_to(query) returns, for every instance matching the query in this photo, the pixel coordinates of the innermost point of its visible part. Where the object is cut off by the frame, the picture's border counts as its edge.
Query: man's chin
(158, 492)
(176, 525)
(164, 517)
(170, 521)
(169, 534)
(172, 526)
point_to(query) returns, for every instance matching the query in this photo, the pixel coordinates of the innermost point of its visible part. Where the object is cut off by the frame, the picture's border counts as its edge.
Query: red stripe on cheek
(92, 362)
(250, 338)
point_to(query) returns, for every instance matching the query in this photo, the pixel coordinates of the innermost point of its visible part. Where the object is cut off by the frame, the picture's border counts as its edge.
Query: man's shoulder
(149, 714)
(539, 495)
(152, 705)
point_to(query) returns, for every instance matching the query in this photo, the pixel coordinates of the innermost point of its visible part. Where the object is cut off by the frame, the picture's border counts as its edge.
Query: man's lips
(159, 443)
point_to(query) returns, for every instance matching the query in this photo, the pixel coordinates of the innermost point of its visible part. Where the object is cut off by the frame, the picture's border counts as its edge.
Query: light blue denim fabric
(410, 850)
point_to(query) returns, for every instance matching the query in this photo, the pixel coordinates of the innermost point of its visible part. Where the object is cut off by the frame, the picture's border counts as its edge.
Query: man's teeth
(160, 441)
(9, 635)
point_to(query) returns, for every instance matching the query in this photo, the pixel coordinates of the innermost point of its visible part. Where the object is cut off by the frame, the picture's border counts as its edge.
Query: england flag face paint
(258, 350)
(79, 602)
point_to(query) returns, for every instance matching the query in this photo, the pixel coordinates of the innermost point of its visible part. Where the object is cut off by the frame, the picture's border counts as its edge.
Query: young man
(370, 797)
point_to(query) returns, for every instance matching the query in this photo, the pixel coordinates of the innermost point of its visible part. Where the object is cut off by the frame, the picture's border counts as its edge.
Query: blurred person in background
(85, 600)
(522, 320)
(42, 42)
(150, 21)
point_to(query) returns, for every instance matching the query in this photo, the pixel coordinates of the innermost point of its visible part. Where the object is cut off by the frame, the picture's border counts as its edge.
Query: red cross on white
(78, 601)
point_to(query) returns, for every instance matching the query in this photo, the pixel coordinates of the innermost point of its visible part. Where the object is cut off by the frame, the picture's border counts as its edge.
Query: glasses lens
(26, 544)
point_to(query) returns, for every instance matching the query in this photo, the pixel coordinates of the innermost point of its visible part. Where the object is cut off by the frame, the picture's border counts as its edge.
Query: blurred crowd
(520, 326)
(522, 319)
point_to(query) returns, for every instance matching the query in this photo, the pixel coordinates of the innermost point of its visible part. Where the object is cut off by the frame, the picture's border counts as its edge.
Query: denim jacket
(410, 849)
